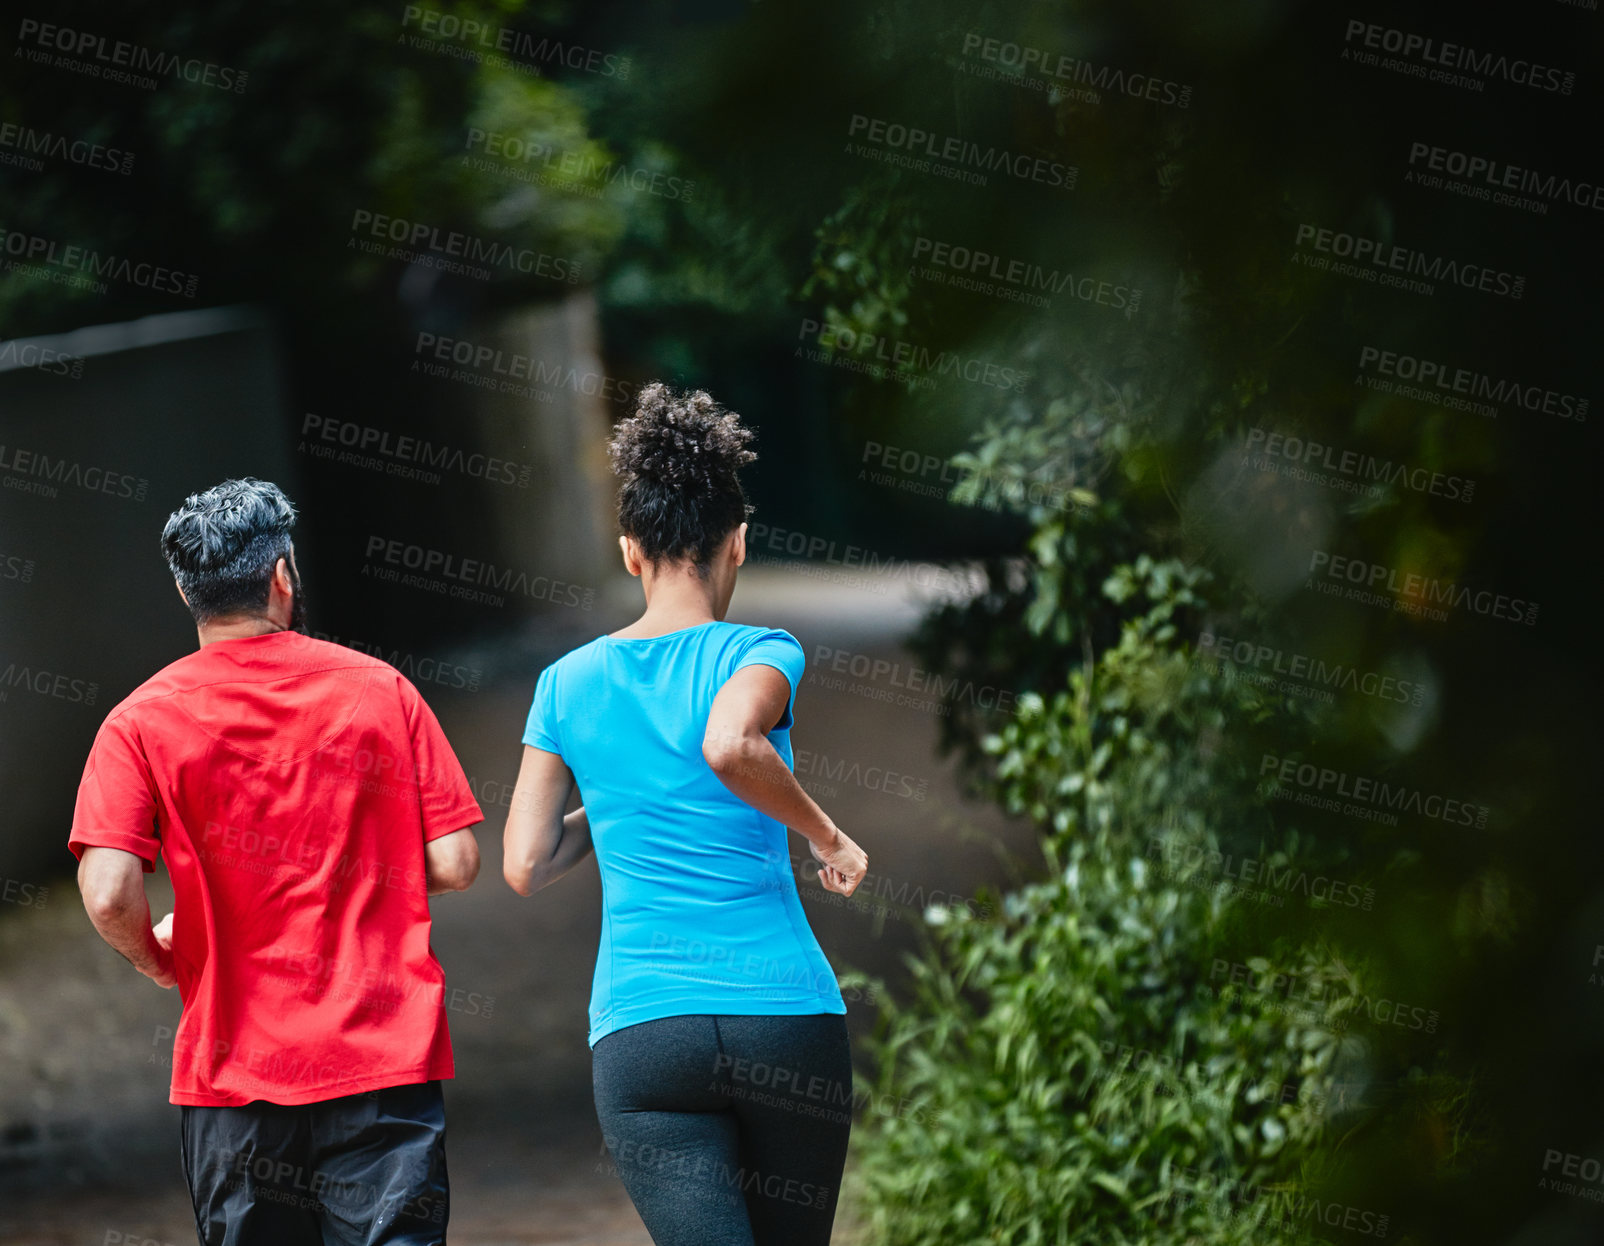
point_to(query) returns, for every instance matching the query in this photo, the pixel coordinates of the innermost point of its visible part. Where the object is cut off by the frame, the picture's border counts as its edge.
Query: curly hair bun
(679, 458)
(682, 440)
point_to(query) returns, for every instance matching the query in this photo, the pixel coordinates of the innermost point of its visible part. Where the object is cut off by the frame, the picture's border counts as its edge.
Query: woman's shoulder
(750, 630)
(578, 657)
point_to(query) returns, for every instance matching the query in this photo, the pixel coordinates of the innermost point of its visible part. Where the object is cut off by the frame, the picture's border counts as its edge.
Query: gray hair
(223, 544)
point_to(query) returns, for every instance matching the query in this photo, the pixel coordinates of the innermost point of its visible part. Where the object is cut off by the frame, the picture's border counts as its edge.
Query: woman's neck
(676, 598)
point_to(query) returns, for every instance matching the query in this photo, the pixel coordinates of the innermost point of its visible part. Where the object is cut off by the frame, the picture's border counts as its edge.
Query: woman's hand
(842, 863)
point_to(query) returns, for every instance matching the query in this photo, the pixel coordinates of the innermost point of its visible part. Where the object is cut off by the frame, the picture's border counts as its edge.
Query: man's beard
(297, 603)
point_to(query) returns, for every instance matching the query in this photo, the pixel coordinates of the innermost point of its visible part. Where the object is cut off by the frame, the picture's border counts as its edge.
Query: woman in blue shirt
(720, 1061)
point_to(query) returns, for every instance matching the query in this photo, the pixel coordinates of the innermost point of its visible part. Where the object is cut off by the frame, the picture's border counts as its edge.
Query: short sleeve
(444, 797)
(781, 650)
(541, 729)
(117, 800)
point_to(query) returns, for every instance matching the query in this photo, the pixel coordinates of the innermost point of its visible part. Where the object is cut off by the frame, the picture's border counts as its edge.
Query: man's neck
(234, 629)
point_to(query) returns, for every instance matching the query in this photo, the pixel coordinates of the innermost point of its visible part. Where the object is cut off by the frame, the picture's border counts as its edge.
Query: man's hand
(165, 976)
(842, 864)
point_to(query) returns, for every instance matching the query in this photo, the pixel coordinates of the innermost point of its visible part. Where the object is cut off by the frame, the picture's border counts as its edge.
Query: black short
(356, 1171)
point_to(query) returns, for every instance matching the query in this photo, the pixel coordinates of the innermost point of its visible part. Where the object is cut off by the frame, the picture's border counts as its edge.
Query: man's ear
(740, 545)
(180, 589)
(281, 577)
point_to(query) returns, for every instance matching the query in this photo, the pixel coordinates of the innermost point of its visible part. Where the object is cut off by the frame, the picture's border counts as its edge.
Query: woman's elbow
(727, 754)
(519, 877)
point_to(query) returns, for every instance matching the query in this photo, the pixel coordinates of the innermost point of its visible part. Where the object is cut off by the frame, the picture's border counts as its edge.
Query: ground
(89, 1143)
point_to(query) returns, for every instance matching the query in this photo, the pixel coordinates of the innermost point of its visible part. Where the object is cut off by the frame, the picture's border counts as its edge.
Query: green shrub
(1080, 1067)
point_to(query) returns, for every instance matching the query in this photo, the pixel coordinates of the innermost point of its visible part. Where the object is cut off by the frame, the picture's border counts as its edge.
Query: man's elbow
(468, 869)
(457, 871)
(107, 900)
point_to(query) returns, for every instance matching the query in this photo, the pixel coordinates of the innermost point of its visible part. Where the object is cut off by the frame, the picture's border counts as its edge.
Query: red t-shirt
(292, 784)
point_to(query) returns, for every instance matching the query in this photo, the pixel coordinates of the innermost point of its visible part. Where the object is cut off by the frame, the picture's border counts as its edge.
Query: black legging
(728, 1130)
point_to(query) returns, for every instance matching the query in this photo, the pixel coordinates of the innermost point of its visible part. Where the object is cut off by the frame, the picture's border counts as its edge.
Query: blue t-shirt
(700, 906)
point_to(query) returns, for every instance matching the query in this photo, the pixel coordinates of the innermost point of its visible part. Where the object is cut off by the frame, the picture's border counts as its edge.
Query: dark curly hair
(679, 457)
(223, 544)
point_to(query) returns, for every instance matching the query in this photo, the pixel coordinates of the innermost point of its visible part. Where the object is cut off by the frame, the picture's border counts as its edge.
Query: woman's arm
(540, 845)
(736, 746)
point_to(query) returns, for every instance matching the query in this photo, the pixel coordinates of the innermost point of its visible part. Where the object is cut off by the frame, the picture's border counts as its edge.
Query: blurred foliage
(255, 191)
(1084, 1065)
(1111, 495)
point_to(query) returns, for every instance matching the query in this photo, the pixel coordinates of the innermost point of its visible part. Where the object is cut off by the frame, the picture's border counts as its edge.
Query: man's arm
(736, 746)
(113, 886)
(451, 862)
(540, 844)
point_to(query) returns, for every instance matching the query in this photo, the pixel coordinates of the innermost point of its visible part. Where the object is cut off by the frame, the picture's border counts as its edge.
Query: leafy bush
(1091, 1064)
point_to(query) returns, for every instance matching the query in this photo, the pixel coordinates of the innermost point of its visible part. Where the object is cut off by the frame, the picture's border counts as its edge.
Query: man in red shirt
(308, 805)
